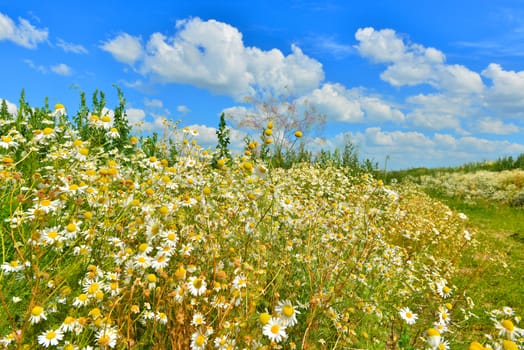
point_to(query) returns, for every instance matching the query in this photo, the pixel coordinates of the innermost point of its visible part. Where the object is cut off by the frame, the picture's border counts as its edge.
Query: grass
(493, 272)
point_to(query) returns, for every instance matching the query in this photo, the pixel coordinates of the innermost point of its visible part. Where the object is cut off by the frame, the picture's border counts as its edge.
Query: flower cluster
(125, 248)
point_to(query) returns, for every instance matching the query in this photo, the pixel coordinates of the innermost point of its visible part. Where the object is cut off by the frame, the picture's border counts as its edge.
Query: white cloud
(442, 111)
(153, 103)
(211, 55)
(183, 109)
(124, 48)
(413, 149)
(495, 126)
(61, 69)
(338, 103)
(23, 34)
(38, 67)
(70, 47)
(207, 137)
(382, 46)
(506, 94)
(135, 116)
(414, 64)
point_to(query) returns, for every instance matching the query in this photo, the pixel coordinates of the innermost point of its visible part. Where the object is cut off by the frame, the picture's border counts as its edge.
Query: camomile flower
(198, 319)
(106, 122)
(441, 327)
(113, 133)
(50, 337)
(443, 290)
(197, 285)
(433, 338)
(408, 316)
(59, 110)
(509, 345)
(508, 330)
(223, 343)
(7, 142)
(81, 300)
(12, 266)
(159, 262)
(240, 281)
(443, 316)
(198, 341)
(161, 317)
(287, 312)
(37, 314)
(275, 330)
(106, 337)
(69, 324)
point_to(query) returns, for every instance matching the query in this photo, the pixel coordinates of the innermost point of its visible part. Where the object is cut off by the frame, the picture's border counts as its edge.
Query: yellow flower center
(151, 278)
(71, 227)
(275, 329)
(48, 131)
(508, 325)
(84, 151)
(200, 340)
(432, 332)
(50, 335)
(180, 273)
(509, 345)
(288, 310)
(52, 234)
(143, 247)
(82, 297)
(104, 340)
(409, 315)
(197, 283)
(7, 138)
(37, 310)
(446, 290)
(106, 119)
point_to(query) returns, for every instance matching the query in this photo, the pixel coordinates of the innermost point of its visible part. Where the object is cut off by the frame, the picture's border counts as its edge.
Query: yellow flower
(264, 318)
(298, 134)
(475, 346)
(509, 345)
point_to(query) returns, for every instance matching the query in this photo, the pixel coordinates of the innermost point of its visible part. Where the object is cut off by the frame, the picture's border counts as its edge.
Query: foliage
(222, 148)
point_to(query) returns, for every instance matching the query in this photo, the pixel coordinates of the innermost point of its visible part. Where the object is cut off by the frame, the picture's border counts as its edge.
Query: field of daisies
(110, 240)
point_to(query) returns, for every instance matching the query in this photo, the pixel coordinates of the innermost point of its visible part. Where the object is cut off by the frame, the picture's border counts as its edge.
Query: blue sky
(422, 83)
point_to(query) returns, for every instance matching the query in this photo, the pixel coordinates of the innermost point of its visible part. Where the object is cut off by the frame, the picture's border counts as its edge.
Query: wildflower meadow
(114, 240)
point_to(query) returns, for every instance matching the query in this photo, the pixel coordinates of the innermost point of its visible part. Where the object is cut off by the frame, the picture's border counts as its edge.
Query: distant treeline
(501, 164)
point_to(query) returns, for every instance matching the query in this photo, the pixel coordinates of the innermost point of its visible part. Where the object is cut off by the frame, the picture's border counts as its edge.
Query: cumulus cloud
(61, 69)
(414, 64)
(70, 47)
(153, 103)
(506, 93)
(212, 55)
(338, 103)
(407, 149)
(23, 33)
(125, 48)
(496, 126)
